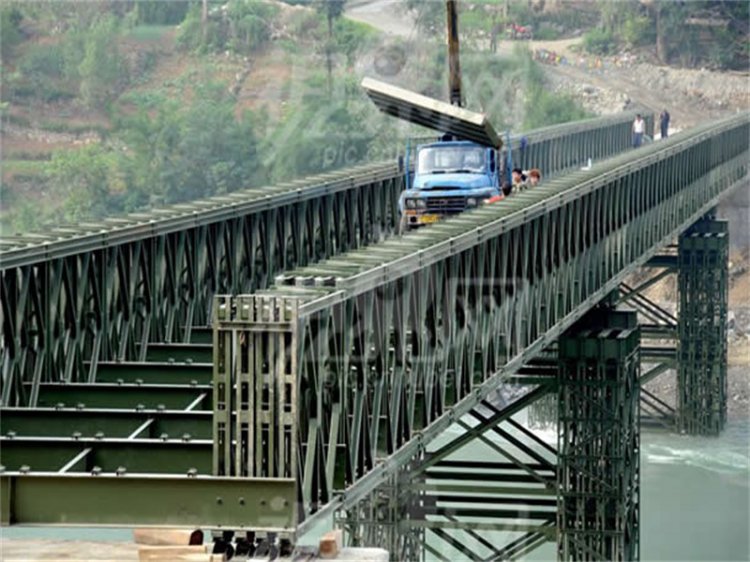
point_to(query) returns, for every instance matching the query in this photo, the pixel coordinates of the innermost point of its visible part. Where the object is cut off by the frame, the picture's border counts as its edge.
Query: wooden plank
(164, 537)
(193, 553)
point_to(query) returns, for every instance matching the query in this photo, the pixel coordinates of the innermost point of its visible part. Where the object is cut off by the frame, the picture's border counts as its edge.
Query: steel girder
(147, 501)
(598, 478)
(73, 296)
(702, 352)
(388, 346)
(658, 347)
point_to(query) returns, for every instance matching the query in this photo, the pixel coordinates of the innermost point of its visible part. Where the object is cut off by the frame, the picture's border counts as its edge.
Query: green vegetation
(543, 107)
(102, 70)
(323, 132)
(10, 18)
(699, 32)
(141, 134)
(242, 27)
(152, 13)
(599, 42)
(27, 167)
(145, 33)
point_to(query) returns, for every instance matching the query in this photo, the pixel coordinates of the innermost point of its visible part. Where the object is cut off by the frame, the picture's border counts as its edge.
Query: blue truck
(463, 168)
(449, 178)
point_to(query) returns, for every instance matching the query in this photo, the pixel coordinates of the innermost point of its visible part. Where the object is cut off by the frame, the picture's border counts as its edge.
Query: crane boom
(454, 65)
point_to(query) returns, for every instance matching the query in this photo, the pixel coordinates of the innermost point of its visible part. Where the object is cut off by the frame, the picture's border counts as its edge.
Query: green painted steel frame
(67, 304)
(703, 281)
(598, 478)
(396, 342)
(148, 500)
(73, 296)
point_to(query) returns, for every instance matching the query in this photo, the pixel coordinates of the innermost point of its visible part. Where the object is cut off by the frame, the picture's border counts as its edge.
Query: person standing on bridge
(639, 127)
(535, 176)
(664, 123)
(519, 179)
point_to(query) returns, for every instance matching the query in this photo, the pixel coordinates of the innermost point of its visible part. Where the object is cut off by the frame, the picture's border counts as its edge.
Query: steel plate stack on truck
(463, 168)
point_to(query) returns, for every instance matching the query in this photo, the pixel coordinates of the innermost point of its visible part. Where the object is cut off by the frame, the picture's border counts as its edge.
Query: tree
(90, 178)
(101, 70)
(713, 32)
(430, 16)
(332, 10)
(204, 20)
(184, 153)
(10, 31)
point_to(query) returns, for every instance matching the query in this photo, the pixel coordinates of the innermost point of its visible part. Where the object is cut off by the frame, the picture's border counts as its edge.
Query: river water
(695, 496)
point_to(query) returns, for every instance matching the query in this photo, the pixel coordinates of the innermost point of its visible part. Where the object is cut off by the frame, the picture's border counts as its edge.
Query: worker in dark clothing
(664, 123)
(518, 179)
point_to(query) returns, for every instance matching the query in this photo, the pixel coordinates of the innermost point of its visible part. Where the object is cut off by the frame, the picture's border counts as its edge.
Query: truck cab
(449, 177)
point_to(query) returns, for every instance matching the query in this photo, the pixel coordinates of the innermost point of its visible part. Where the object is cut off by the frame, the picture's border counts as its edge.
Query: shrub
(39, 75)
(42, 60)
(638, 30)
(351, 36)
(545, 108)
(10, 19)
(599, 42)
(546, 33)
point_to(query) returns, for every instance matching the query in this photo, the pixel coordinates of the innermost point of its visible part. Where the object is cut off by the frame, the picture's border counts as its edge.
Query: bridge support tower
(598, 438)
(702, 349)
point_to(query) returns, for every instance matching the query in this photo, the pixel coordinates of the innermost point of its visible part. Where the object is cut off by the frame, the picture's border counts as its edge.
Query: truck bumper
(414, 219)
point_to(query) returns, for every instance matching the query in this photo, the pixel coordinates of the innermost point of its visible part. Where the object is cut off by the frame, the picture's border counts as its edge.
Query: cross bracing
(603, 223)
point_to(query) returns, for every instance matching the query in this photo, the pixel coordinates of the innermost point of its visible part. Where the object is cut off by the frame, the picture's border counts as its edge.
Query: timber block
(330, 544)
(164, 537)
(192, 553)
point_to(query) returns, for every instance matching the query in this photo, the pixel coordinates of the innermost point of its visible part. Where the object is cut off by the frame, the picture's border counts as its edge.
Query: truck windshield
(451, 159)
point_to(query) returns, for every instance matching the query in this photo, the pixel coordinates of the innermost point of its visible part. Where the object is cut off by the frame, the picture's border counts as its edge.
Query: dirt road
(389, 16)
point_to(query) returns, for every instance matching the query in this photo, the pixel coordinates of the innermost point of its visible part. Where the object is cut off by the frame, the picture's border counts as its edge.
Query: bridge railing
(103, 291)
(344, 371)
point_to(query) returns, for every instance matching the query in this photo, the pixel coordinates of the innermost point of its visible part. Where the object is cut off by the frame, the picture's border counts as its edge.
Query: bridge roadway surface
(586, 231)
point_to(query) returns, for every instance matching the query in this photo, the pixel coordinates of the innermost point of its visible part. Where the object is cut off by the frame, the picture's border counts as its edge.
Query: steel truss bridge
(338, 354)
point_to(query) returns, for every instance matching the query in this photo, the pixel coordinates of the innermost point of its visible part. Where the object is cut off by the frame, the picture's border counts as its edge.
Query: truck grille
(446, 205)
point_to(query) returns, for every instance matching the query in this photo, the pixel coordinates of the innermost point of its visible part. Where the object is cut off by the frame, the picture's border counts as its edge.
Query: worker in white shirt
(639, 127)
